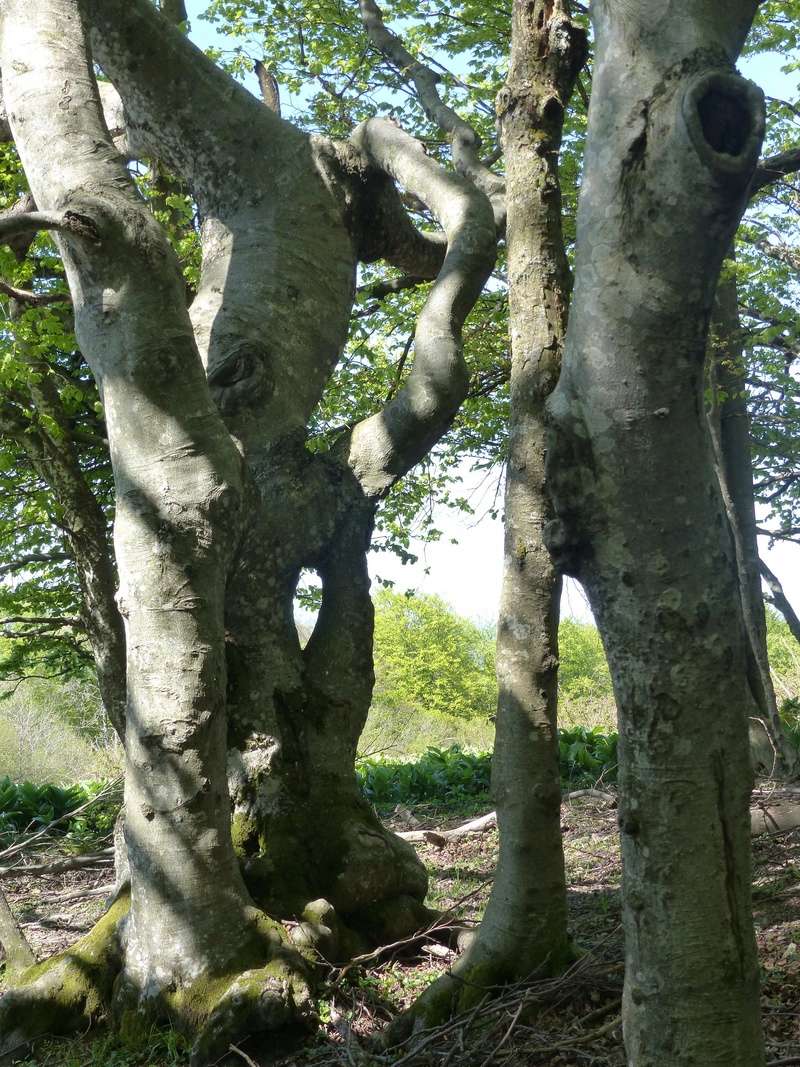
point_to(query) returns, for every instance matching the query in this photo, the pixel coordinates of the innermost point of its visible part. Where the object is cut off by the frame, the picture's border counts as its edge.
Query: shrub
(586, 757)
(27, 807)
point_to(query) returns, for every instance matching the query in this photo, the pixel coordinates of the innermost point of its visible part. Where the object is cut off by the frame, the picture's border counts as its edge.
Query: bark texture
(524, 929)
(179, 487)
(281, 237)
(673, 139)
(216, 517)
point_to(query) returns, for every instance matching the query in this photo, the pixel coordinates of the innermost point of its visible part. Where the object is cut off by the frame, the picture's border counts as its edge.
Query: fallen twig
(74, 864)
(76, 894)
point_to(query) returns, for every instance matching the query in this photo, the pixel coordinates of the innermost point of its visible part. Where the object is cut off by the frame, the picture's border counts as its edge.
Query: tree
(426, 656)
(215, 520)
(674, 135)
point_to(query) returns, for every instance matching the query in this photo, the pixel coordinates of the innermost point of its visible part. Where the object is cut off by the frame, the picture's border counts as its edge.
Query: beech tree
(674, 136)
(219, 505)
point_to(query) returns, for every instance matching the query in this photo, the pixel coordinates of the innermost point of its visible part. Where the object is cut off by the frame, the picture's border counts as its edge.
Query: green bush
(27, 807)
(586, 757)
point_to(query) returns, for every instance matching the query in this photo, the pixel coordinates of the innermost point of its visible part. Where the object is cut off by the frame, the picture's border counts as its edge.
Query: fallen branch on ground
(104, 858)
(489, 822)
(76, 894)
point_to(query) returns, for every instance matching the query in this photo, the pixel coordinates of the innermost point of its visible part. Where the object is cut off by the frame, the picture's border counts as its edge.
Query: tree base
(482, 971)
(337, 851)
(268, 990)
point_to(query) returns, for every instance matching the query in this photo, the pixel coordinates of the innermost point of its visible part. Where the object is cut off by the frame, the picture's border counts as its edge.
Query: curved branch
(388, 233)
(26, 223)
(466, 143)
(386, 445)
(178, 104)
(779, 600)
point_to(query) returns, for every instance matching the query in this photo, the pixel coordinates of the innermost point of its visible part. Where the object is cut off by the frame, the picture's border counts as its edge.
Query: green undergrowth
(449, 776)
(587, 756)
(163, 1046)
(27, 807)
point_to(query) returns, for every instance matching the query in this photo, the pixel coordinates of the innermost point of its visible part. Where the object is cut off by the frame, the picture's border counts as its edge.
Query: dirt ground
(572, 1021)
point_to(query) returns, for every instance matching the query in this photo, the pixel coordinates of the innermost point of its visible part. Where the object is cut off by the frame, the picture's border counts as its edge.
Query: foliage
(586, 757)
(56, 732)
(428, 657)
(26, 807)
(441, 774)
(583, 670)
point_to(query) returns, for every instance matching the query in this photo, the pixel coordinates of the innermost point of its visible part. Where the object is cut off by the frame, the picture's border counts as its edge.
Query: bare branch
(31, 222)
(25, 296)
(465, 143)
(779, 599)
(35, 557)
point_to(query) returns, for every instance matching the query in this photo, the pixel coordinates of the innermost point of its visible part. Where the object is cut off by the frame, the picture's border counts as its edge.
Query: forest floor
(572, 1021)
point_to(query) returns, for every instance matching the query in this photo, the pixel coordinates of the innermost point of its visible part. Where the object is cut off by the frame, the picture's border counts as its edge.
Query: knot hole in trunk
(724, 115)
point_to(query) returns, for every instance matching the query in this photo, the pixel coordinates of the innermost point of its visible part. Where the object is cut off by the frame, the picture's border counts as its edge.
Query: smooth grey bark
(729, 425)
(281, 236)
(524, 930)
(673, 139)
(179, 488)
(464, 141)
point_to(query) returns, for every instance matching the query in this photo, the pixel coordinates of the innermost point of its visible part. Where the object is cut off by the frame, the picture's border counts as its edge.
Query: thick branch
(178, 103)
(31, 222)
(773, 168)
(385, 446)
(465, 141)
(779, 600)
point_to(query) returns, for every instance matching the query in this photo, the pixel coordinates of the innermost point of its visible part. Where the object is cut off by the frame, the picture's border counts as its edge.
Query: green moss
(69, 989)
(244, 833)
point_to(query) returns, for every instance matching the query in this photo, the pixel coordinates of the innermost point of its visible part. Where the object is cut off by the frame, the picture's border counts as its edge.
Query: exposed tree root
(368, 878)
(68, 991)
(269, 990)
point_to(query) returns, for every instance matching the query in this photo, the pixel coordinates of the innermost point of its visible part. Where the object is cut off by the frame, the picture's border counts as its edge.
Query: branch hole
(726, 121)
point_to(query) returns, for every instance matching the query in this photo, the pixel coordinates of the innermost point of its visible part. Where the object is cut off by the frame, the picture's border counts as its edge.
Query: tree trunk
(300, 824)
(524, 930)
(729, 425)
(673, 138)
(179, 489)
